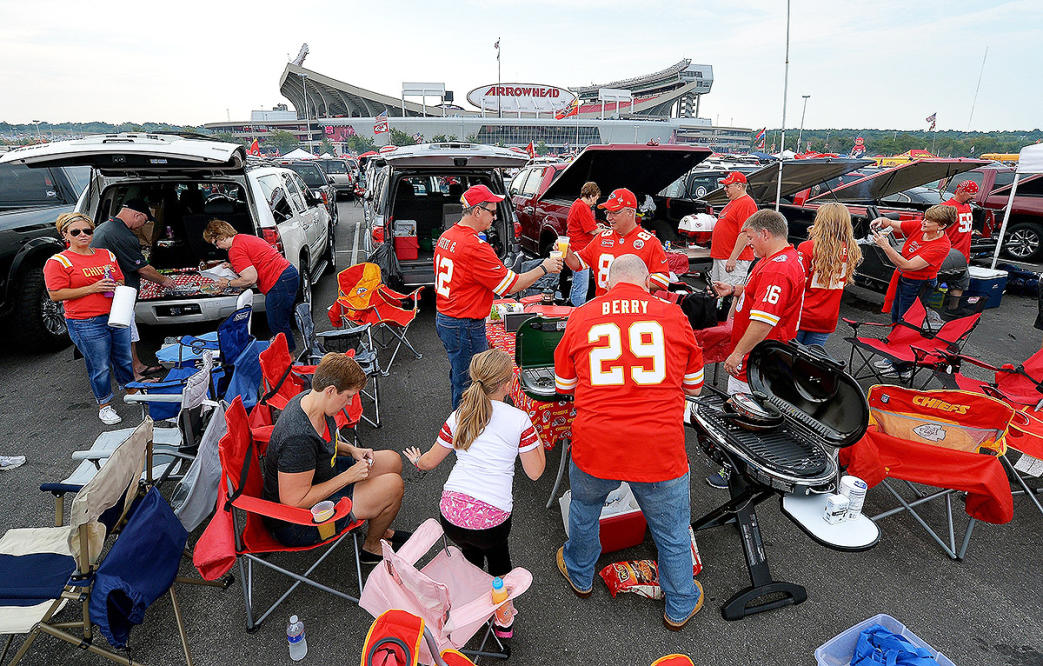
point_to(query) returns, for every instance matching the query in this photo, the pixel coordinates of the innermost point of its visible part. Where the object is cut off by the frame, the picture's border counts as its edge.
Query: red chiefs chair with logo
(952, 440)
(363, 298)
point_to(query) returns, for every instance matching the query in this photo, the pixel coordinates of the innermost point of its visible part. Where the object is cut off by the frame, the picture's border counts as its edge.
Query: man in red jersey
(625, 237)
(960, 236)
(768, 307)
(729, 247)
(630, 358)
(467, 276)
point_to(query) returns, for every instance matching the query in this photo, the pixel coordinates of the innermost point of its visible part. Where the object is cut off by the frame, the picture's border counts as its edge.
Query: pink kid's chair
(450, 594)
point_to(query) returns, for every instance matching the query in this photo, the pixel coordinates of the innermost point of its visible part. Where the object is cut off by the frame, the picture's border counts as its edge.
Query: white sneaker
(884, 365)
(10, 462)
(108, 415)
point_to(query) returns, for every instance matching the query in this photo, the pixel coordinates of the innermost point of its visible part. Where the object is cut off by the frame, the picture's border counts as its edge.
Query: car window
(674, 189)
(268, 185)
(1029, 188)
(312, 175)
(532, 184)
(518, 182)
(294, 188)
(1003, 178)
(79, 176)
(975, 176)
(703, 184)
(336, 166)
(20, 185)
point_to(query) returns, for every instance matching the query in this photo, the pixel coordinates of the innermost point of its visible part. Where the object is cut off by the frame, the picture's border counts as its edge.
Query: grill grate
(785, 450)
(538, 380)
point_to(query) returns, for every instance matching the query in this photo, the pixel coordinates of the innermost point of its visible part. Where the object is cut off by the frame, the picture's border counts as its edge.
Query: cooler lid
(811, 390)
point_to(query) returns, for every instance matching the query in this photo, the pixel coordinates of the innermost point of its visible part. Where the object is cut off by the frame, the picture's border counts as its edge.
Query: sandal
(152, 370)
(366, 557)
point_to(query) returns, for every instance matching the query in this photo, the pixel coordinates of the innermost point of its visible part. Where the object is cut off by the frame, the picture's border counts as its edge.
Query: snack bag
(640, 577)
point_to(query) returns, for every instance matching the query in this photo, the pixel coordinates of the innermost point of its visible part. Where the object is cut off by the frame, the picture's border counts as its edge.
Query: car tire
(1024, 241)
(38, 321)
(304, 269)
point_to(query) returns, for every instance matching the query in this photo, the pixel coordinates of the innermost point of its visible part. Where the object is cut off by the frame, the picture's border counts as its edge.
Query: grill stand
(742, 509)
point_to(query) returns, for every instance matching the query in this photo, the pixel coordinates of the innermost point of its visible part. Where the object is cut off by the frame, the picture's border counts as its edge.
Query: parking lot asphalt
(985, 610)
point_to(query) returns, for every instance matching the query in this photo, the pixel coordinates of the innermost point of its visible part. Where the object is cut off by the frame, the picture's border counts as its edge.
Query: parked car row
(186, 182)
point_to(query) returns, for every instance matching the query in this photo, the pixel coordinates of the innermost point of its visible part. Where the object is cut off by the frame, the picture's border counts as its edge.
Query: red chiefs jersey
(608, 245)
(821, 295)
(774, 295)
(627, 356)
(960, 233)
(729, 224)
(467, 274)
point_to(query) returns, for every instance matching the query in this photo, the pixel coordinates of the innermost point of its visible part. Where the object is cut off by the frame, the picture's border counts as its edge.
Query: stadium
(661, 106)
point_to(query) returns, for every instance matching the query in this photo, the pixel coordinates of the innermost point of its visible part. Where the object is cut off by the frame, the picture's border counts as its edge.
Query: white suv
(188, 182)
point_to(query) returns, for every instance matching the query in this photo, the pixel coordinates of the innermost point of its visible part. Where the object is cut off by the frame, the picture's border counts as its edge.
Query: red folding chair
(363, 298)
(913, 342)
(241, 473)
(283, 380)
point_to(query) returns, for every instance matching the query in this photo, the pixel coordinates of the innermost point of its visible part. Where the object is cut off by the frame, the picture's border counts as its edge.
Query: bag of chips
(641, 577)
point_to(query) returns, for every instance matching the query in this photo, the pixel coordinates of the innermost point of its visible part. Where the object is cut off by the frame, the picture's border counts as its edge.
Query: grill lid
(811, 390)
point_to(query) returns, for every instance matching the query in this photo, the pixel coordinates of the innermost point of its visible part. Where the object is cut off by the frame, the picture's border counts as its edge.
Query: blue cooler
(987, 283)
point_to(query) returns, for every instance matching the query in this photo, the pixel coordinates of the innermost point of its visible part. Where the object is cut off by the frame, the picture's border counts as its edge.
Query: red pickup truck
(542, 194)
(1024, 237)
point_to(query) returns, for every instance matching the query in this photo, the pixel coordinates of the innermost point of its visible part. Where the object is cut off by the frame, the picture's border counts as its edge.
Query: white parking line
(355, 243)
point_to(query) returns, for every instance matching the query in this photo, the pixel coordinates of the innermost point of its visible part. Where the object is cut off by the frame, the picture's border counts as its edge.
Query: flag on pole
(497, 47)
(760, 146)
(255, 149)
(382, 125)
(530, 150)
(418, 137)
(933, 118)
(760, 134)
(570, 110)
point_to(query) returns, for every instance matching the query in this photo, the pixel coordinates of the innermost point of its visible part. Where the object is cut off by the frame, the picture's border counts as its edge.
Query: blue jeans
(580, 281)
(906, 293)
(278, 304)
(812, 338)
(667, 508)
(106, 350)
(462, 339)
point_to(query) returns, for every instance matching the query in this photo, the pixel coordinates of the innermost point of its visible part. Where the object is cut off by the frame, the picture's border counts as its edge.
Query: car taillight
(271, 236)
(517, 230)
(990, 224)
(378, 234)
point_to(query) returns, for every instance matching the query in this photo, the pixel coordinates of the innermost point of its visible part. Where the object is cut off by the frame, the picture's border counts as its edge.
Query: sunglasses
(491, 211)
(76, 232)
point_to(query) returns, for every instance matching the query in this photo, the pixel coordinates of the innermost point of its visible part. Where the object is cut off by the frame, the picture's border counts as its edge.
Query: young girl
(487, 435)
(829, 256)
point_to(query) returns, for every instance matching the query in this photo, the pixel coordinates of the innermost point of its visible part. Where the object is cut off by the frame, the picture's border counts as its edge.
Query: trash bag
(384, 256)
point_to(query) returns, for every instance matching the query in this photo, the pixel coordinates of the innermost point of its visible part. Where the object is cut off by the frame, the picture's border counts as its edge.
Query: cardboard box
(622, 523)
(407, 248)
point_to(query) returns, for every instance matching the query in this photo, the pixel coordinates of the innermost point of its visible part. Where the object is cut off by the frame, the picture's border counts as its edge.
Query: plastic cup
(563, 244)
(556, 254)
(321, 514)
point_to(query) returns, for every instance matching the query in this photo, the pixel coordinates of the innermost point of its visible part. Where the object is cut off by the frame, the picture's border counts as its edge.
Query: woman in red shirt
(256, 261)
(926, 247)
(582, 228)
(829, 257)
(82, 279)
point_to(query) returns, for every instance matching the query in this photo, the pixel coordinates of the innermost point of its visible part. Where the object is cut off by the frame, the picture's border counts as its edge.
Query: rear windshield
(22, 186)
(334, 167)
(311, 174)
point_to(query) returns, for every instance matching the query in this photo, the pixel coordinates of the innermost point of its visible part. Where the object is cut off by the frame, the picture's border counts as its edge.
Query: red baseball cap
(619, 199)
(734, 177)
(968, 186)
(478, 194)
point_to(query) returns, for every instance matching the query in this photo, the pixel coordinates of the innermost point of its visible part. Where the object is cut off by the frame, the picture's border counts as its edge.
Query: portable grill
(821, 408)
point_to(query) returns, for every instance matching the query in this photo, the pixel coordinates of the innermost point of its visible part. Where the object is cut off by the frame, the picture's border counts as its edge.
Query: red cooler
(407, 247)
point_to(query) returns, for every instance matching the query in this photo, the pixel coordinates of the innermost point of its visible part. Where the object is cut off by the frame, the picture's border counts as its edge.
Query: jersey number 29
(645, 339)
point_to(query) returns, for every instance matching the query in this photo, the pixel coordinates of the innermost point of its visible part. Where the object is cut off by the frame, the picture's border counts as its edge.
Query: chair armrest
(394, 294)
(60, 488)
(151, 397)
(855, 324)
(289, 514)
(980, 363)
(920, 355)
(304, 370)
(357, 329)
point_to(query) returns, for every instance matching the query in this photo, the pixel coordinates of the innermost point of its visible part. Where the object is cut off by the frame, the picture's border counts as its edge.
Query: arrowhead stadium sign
(524, 97)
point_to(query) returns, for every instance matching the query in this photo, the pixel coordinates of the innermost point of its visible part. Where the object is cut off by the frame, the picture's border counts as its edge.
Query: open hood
(640, 168)
(797, 175)
(132, 152)
(900, 178)
(454, 155)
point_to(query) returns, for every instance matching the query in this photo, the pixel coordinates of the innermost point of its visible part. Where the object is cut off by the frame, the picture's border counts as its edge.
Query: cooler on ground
(987, 283)
(622, 523)
(407, 248)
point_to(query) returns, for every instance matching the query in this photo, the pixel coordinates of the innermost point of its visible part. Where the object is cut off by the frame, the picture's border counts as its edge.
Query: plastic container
(321, 513)
(622, 523)
(405, 228)
(838, 650)
(407, 248)
(108, 276)
(987, 283)
(504, 614)
(296, 638)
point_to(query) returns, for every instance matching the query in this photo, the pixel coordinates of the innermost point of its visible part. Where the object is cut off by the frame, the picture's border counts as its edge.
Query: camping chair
(363, 298)
(952, 440)
(913, 341)
(1019, 388)
(283, 381)
(241, 474)
(170, 448)
(394, 640)
(346, 340)
(449, 593)
(43, 569)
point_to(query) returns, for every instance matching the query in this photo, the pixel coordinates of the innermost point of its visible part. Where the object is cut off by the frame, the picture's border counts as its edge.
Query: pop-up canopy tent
(1030, 161)
(298, 154)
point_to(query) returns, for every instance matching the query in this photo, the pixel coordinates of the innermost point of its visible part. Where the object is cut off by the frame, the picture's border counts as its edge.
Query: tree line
(944, 143)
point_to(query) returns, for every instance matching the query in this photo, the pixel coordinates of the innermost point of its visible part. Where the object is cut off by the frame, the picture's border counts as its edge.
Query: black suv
(30, 201)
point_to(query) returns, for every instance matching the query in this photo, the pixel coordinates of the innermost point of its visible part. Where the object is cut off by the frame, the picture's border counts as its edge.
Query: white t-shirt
(485, 471)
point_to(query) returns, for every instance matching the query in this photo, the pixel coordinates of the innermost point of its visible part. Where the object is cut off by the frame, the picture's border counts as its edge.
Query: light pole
(785, 91)
(801, 132)
(38, 135)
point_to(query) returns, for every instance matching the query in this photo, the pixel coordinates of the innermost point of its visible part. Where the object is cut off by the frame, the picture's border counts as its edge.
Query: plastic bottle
(504, 614)
(296, 639)
(108, 276)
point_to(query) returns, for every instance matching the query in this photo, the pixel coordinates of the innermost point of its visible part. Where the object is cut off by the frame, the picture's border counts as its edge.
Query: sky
(883, 64)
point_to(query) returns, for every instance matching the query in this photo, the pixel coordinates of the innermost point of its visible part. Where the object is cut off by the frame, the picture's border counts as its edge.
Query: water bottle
(296, 639)
(504, 614)
(108, 276)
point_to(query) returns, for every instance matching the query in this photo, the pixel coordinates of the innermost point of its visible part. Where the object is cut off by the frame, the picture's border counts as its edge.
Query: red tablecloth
(553, 420)
(716, 342)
